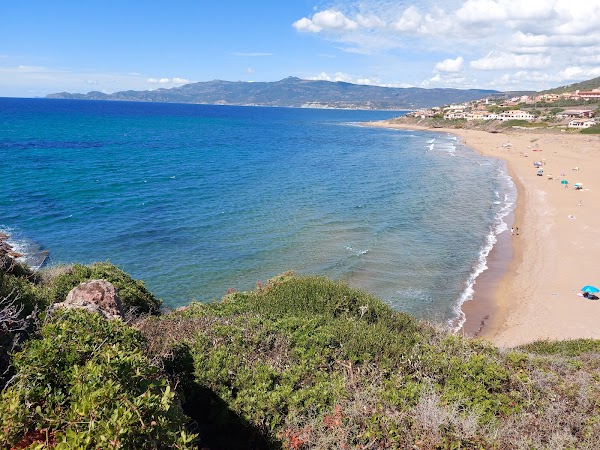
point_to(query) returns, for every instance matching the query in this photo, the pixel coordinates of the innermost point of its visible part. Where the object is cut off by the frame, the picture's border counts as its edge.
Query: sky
(113, 45)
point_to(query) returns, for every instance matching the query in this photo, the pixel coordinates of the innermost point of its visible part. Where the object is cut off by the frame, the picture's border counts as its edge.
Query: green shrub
(133, 293)
(299, 346)
(85, 383)
(20, 303)
(591, 130)
(572, 347)
(522, 123)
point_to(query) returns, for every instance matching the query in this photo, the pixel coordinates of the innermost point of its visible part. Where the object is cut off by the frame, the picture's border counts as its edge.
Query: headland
(532, 289)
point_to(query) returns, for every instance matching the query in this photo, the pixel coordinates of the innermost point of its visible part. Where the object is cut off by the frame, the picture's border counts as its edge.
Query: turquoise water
(197, 199)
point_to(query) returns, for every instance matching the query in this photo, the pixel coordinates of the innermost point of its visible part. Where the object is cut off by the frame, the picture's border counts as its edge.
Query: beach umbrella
(564, 182)
(591, 289)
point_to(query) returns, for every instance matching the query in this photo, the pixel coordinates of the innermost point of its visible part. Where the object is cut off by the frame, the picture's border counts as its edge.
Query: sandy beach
(531, 290)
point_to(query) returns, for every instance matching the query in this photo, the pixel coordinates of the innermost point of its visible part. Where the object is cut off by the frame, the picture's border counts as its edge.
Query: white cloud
(579, 73)
(329, 20)
(496, 36)
(369, 81)
(370, 21)
(450, 65)
(410, 20)
(338, 76)
(480, 12)
(452, 80)
(164, 80)
(498, 60)
(306, 25)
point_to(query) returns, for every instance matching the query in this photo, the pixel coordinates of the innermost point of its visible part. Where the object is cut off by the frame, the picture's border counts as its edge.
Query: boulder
(97, 296)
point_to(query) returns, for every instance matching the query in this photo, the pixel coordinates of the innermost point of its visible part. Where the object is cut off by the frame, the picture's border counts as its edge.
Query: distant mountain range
(294, 92)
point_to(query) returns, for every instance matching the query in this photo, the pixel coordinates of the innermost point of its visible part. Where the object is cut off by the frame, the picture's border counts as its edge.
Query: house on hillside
(455, 115)
(577, 113)
(594, 93)
(423, 113)
(548, 98)
(581, 123)
(481, 115)
(516, 115)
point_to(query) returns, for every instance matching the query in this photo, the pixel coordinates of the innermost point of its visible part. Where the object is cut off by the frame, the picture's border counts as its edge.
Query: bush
(568, 348)
(20, 303)
(591, 130)
(85, 383)
(305, 346)
(133, 293)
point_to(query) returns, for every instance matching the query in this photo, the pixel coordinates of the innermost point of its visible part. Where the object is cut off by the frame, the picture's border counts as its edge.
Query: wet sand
(530, 291)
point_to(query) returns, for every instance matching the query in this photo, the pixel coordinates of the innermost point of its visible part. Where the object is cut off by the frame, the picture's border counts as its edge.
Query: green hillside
(583, 86)
(299, 363)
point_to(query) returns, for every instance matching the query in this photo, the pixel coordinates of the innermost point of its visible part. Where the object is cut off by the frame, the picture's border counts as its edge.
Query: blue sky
(79, 46)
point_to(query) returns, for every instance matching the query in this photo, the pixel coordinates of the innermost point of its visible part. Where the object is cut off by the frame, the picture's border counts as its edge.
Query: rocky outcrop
(6, 249)
(97, 296)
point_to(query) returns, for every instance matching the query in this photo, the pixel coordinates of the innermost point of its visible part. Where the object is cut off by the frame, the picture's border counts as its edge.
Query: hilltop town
(577, 110)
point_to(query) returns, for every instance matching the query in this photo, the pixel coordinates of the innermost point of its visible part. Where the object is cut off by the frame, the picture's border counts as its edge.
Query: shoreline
(529, 291)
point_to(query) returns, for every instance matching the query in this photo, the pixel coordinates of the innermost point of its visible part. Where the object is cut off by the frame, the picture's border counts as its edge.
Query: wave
(356, 252)
(498, 226)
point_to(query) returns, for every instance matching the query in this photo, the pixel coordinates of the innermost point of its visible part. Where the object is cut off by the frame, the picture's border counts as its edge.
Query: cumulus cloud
(329, 19)
(344, 77)
(454, 80)
(450, 65)
(338, 76)
(494, 35)
(578, 73)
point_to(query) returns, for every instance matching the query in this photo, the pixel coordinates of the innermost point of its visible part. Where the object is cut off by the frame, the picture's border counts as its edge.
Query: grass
(591, 130)
(523, 123)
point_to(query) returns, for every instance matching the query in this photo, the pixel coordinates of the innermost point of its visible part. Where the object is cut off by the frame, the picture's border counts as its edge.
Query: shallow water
(197, 199)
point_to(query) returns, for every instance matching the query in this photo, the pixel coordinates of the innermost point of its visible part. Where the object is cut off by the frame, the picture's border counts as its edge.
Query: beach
(532, 289)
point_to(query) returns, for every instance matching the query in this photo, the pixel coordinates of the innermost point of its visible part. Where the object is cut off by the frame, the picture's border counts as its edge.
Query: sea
(198, 199)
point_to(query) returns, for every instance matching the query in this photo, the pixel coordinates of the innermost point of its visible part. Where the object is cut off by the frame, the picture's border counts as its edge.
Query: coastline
(529, 291)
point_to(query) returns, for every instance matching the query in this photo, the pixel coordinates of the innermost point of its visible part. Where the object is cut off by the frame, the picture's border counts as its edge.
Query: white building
(581, 123)
(516, 115)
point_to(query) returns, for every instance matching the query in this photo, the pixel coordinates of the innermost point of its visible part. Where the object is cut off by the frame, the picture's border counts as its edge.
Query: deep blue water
(196, 199)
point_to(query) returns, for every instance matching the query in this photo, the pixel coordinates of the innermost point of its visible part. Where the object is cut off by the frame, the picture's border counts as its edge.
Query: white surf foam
(498, 226)
(31, 254)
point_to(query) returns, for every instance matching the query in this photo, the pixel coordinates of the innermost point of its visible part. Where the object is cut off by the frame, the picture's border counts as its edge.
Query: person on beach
(517, 230)
(512, 230)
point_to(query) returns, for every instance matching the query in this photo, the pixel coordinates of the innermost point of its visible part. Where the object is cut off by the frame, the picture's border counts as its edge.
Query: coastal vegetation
(592, 130)
(297, 363)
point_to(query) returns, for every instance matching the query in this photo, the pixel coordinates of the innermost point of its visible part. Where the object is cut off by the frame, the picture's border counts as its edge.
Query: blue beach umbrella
(591, 289)
(564, 182)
